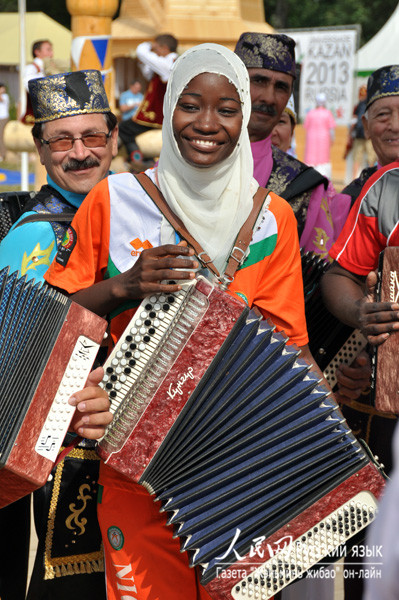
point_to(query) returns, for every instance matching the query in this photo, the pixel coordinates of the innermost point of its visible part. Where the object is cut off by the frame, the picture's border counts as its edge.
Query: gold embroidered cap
(67, 95)
(267, 51)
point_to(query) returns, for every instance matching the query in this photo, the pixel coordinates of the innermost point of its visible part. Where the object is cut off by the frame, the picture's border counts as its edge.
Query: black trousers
(14, 549)
(128, 130)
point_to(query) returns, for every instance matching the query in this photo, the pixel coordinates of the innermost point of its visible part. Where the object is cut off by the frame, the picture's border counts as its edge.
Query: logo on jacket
(115, 537)
(67, 245)
(139, 246)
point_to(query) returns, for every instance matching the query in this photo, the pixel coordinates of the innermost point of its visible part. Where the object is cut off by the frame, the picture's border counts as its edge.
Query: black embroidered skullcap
(267, 51)
(383, 82)
(68, 94)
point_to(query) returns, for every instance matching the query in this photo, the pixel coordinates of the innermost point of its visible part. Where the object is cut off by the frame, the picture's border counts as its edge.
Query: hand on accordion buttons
(157, 265)
(92, 413)
(353, 379)
(377, 319)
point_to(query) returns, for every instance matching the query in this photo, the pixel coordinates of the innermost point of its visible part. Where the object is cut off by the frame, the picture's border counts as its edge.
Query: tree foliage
(291, 14)
(282, 14)
(56, 10)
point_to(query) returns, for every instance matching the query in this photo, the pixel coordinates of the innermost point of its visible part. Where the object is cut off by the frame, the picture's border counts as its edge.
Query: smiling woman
(205, 173)
(207, 108)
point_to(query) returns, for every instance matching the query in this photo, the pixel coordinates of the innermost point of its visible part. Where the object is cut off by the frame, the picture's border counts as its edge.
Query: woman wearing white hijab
(220, 195)
(122, 250)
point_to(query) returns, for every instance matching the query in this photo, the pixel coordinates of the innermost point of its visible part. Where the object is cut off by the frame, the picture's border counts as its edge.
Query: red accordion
(221, 420)
(385, 385)
(47, 348)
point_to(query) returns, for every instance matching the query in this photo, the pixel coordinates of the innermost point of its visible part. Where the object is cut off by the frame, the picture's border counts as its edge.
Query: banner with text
(327, 59)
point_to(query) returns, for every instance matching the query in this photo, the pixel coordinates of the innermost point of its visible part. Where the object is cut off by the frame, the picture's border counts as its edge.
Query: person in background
(4, 116)
(75, 134)
(381, 125)
(130, 100)
(362, 147)
(283, 134)
(41, 49)
(320, 126)
(155, 60)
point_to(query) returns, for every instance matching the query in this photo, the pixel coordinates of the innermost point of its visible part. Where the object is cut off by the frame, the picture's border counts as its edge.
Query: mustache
(78, 165)
(266, 109)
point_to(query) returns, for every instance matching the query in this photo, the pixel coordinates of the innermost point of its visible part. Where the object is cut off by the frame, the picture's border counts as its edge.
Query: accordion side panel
(26, 469)
(385, 360)
(194, 359)
(289, 552)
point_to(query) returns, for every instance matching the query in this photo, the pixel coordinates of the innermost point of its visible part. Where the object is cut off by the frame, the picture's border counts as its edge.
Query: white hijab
(212, 202)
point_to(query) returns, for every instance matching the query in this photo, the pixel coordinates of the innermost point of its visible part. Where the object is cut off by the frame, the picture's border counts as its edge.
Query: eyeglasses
(96, 139)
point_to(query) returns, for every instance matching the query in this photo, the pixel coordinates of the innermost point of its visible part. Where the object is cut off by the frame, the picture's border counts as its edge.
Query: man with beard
(270, 60)
(75, 133)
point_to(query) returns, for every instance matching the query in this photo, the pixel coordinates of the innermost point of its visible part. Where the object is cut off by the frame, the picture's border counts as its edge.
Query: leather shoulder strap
(177, 224)
(242, 241)
(63, 217)
(244, 236)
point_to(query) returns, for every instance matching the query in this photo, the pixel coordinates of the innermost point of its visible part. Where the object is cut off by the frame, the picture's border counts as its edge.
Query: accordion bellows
(236, 437)
(47, 348)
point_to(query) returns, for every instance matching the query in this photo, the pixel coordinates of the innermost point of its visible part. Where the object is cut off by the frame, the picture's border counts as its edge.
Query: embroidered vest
(150, 111)
(294, 181)
(48, 200)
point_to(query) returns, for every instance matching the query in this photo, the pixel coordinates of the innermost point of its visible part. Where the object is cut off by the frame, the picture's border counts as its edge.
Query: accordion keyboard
(301, 554)
(61, 412)
(143, 355)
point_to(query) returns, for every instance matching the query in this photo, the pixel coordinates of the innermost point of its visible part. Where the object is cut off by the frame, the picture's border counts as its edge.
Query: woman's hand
(92, 413)
(155, 267)
(150, 275)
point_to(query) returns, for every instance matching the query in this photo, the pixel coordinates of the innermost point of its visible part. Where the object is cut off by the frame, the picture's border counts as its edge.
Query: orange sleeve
(86, 260)
(280, 293)
(274, 284)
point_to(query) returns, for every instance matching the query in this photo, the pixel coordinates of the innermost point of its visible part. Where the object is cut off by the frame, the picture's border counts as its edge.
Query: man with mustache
(270, 60)
(75, 133)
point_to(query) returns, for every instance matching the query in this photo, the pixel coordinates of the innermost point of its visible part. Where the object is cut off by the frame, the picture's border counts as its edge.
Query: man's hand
(377, 319)
(353, 379)
(92, 408)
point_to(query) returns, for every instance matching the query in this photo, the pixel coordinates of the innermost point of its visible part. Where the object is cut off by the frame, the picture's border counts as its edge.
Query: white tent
(382, 49)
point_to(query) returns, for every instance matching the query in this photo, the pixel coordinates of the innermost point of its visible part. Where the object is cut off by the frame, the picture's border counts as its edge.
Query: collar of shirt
(263, 160)
(71, 197)
(39, 62)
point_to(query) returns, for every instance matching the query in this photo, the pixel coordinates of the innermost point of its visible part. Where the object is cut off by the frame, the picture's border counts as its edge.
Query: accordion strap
(64, 217)
(242, 241)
